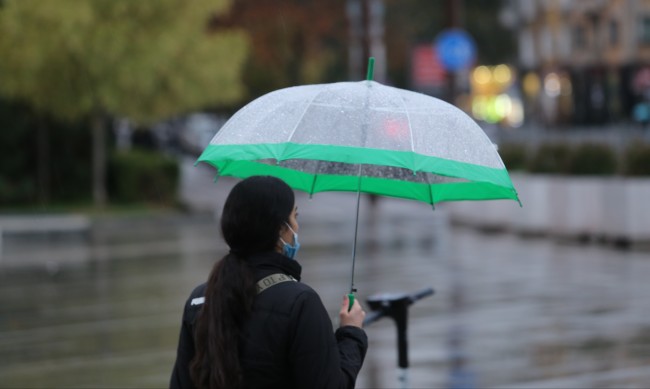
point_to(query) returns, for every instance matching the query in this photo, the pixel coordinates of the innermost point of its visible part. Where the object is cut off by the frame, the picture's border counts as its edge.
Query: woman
(253, 324)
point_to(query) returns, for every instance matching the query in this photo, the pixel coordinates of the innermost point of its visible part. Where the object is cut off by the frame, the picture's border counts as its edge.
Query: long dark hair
(254, 213)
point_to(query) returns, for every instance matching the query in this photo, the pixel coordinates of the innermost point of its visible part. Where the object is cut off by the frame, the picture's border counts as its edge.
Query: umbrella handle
(350, 301)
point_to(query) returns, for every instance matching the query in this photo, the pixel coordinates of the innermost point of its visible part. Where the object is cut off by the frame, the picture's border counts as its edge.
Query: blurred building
(366, 38)
(581, 61)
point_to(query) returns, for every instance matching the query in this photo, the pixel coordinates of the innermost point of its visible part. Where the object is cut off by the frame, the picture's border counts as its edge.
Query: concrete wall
(608, 208)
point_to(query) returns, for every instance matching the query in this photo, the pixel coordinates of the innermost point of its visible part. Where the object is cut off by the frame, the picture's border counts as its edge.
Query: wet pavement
(104, 310)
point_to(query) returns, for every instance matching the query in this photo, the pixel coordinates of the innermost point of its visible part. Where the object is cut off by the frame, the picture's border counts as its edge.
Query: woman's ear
(284, 231)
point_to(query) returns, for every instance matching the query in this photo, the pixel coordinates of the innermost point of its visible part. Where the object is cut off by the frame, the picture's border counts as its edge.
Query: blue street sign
(456, 49)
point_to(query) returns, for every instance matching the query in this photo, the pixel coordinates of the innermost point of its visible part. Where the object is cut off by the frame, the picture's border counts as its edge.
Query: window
(545, 44)
(579, 37)
(644, 30)
(613, 31)
(564, 43)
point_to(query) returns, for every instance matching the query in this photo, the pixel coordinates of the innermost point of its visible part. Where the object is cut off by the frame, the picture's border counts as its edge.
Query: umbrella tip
(371, 69)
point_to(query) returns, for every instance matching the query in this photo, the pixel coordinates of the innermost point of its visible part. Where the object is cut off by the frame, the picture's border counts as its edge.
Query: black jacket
(288, 342)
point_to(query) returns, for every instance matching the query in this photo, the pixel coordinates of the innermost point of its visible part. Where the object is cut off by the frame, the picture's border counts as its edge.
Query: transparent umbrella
(362, 137)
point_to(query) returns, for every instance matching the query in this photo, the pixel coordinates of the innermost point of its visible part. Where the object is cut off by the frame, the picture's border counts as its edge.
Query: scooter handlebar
(373, 317)
(421, 294)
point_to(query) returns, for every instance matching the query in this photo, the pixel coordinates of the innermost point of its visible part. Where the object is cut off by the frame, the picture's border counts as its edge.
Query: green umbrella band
(483, 183)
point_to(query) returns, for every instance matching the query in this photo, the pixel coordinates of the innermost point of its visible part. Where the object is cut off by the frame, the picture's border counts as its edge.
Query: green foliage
(17, 178)
(636, 159)
(92, 59)
(68, 157)
(513, 155)
(145, 60)
(552, 158)
(140, 176)
(593, 159)
(292, 42)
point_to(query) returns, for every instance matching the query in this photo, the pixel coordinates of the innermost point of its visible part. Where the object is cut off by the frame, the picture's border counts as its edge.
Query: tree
(292, 41)
(93, 59)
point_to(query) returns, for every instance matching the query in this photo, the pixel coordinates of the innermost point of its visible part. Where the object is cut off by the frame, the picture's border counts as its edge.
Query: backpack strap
(271, 280)
(262, 284)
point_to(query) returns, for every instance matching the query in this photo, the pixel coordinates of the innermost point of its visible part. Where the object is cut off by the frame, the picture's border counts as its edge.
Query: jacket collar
(272, 262)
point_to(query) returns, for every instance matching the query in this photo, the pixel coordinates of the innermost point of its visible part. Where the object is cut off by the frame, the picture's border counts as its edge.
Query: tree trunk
(43, 161)
(99, 160)
(454, 9)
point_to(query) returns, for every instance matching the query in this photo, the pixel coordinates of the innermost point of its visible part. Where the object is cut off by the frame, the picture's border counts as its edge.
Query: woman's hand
(354, 317)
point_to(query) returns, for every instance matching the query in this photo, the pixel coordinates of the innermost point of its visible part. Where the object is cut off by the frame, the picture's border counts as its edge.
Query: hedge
(593, 159)
(514, 156)
(550, 158)
(139, 176)
(65, 160)
(587, 158)
(636, 160)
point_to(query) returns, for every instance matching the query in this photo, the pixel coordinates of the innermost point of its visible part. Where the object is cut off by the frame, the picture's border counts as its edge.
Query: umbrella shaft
(354, 244)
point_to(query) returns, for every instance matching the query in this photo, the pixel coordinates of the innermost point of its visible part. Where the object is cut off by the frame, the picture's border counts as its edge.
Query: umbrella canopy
(362, 137)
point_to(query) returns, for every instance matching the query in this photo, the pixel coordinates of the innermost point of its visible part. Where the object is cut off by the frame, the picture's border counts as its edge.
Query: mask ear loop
(287, 224)
(294, 234)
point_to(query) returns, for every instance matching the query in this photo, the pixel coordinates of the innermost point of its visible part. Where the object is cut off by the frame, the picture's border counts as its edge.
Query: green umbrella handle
(350, 301)
(371, 69)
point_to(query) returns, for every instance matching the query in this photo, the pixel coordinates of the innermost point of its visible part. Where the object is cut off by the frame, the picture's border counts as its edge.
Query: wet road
(508, 311)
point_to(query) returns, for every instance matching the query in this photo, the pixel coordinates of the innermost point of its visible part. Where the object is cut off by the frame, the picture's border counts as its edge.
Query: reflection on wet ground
(508, 312)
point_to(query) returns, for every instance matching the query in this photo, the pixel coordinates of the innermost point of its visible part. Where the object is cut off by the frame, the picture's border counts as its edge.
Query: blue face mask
(289, 250)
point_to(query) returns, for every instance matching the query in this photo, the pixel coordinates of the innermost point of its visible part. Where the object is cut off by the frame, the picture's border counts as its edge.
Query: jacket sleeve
(181, 373)
(318, 359)
(353, 344)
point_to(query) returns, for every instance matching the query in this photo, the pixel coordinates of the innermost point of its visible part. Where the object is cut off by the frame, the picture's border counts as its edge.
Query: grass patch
(597, 345)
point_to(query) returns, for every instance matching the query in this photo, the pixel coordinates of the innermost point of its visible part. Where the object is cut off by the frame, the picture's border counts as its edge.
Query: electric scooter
(396, 306)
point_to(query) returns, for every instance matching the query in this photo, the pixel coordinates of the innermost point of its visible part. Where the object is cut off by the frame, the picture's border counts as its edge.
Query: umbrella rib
(302, 116)
(408, 121)
(426, 177)
(313, 182)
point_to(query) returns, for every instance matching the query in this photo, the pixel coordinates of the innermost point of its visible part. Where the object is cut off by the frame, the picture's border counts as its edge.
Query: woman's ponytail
(228, 301)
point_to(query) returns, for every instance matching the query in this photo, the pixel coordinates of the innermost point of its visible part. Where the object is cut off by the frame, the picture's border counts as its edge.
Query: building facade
(582, 61)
